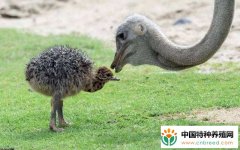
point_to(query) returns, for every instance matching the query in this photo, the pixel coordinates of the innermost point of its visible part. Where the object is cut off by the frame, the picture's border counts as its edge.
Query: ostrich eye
(122, 36)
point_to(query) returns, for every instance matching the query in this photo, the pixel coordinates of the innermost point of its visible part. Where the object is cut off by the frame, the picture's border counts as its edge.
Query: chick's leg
(55, 105)
(62, 122)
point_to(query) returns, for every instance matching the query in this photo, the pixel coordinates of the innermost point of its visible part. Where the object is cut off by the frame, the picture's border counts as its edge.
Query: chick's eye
(109, 74)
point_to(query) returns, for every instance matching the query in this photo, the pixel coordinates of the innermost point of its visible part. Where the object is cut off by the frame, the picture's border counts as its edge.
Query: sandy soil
(222, 115)
(230, 115)
(100, 18)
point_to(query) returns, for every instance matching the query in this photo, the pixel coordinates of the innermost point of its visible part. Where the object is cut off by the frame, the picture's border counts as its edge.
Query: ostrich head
(140, 41)
(131, 42)
(104, 74)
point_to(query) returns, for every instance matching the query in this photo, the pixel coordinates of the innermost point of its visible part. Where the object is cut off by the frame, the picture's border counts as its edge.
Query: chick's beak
(114, 79)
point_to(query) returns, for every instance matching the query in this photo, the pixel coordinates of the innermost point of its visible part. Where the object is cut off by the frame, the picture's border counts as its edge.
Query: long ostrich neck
(187, 56)
(95, 85)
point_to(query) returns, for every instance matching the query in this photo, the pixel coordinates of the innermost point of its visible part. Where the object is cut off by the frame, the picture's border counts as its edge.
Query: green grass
(123, 115)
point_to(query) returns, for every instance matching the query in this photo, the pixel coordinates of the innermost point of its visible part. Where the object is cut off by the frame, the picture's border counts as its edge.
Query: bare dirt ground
(230, 115)
(100, 18)
(215, 115)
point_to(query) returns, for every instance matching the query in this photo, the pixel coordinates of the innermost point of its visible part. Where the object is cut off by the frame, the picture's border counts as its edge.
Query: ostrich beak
(116, 64)
(114, 79)
(116, 61)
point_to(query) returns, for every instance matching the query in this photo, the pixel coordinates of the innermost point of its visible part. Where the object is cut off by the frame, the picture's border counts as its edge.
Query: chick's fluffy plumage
(59, 69)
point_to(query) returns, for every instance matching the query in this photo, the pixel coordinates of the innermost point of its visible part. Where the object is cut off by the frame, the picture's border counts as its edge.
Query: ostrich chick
(62, 71)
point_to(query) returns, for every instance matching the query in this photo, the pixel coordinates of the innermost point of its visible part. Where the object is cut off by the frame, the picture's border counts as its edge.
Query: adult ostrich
(140, 41)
